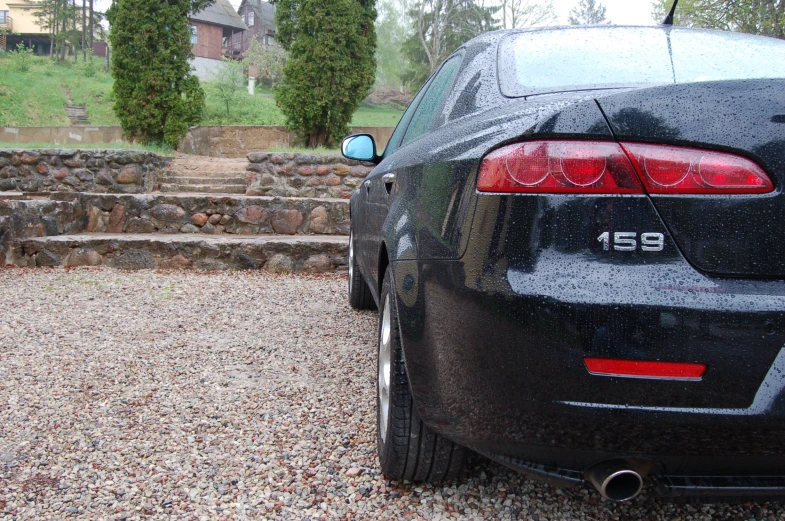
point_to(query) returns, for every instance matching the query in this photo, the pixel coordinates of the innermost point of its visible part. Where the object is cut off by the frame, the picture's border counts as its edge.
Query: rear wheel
(359, 293)
(408, 449)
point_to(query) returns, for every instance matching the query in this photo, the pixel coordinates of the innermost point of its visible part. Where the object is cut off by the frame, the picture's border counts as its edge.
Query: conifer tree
(157, 97)
(588, 12)
(331, 66)
(766, 17)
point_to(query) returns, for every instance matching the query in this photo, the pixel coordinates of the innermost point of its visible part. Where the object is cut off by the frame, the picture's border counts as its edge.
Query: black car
(576, 242)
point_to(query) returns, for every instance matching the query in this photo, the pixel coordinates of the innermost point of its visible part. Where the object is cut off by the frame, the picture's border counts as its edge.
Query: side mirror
(360, 147)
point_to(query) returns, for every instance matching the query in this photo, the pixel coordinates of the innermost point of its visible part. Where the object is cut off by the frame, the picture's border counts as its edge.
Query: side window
(426, 113)
(407, 116)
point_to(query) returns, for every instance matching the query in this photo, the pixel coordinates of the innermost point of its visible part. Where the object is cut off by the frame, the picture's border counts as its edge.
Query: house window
(251, 18)
(3, 17)
(194, 39)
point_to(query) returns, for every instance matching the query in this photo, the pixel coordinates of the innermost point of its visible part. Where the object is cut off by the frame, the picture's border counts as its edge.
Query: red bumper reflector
(644, 369)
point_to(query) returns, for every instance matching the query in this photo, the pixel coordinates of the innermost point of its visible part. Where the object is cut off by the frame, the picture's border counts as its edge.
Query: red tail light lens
(679, 170)
(559, 167)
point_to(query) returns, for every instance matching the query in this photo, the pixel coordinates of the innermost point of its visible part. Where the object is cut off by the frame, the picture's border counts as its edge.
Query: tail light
(559, 167)
(600, 167)
(680, 170)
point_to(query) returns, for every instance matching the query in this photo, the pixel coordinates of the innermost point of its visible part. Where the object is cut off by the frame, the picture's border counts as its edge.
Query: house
(19, 24)
(259, 16)
(213, 30)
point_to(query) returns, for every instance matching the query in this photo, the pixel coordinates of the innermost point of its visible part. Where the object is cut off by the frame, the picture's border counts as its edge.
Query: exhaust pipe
(615, 480)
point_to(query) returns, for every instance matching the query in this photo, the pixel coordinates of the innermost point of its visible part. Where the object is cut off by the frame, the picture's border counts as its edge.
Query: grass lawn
(36, 99)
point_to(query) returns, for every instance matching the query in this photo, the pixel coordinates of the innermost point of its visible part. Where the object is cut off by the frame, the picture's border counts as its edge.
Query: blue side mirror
(360, 147)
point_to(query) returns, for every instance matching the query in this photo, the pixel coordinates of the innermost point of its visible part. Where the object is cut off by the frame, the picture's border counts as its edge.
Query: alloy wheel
(385, 363)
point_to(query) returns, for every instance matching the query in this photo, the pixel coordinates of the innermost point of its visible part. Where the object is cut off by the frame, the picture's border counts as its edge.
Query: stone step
(184, 180)
(313, 254)
(205, 174)
(68, 213)
(187, 163)
(214, 213)
(203, 189)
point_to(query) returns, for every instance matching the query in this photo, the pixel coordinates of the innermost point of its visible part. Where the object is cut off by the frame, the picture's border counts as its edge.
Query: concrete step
(223, 181)
(203, 189)
(312, 254)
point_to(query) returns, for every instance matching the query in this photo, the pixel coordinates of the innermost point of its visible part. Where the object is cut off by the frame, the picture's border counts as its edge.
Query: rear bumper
(719, 486)
(495, 361)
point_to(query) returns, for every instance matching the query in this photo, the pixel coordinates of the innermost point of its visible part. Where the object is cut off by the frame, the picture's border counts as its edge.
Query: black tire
(360, 296)
(409, 449)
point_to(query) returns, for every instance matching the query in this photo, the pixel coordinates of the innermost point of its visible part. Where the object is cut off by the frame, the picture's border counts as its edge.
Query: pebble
(226, 395)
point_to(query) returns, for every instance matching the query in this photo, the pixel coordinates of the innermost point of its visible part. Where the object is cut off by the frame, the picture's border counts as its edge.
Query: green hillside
(36, 98)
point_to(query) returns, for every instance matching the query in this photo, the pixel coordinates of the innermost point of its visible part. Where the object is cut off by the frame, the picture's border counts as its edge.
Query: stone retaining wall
(63, 170)
(304, 175)
(37, 218)
(214, 141)
(238, 141)
(236, 215)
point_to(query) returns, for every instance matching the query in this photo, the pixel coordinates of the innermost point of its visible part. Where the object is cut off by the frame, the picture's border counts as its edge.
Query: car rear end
(621, 300)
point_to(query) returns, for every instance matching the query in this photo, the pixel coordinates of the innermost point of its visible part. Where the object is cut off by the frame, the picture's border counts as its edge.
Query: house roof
(265, 11)
(220, 13)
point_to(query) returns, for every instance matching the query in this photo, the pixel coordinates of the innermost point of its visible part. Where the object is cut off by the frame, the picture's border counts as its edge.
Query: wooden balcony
(233, 52)
(6, 26)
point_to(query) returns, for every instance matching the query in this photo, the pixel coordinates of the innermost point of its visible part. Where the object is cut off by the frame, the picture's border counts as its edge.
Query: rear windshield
(557, 60)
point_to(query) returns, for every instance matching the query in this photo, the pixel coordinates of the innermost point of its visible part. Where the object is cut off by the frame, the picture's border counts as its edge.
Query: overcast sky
(625, 12)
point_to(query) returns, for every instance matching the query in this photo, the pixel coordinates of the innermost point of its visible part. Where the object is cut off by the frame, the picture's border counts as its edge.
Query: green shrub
(229, 79)
(89, 69)
(158, 98)
(22, 57)
(331, 65)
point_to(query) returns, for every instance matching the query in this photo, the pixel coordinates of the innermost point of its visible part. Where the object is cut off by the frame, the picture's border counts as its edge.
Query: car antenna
(669, 19)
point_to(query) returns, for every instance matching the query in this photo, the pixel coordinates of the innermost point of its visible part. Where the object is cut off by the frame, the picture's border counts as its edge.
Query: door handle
(367, 185)
(388, 179)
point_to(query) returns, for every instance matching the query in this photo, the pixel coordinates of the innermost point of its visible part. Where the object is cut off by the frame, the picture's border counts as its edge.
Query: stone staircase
(207, 175)
(197, 216)
(77, 115)
(177, 231)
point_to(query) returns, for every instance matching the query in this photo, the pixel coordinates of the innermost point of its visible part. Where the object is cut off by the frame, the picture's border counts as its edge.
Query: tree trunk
(55, 11)
(84, 30)
(318, 138)
(51, 33)
(73, 12)
(91, 33)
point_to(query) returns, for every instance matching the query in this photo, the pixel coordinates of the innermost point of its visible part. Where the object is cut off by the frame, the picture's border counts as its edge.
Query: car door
(365, 227)
(389, 177)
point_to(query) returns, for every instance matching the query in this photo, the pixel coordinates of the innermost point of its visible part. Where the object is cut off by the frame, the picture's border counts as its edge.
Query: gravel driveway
(223, 396)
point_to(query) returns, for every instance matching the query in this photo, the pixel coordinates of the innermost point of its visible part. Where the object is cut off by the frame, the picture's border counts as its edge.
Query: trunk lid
(725, 235)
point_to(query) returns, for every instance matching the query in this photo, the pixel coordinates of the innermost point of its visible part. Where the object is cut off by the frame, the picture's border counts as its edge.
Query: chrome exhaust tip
(615, 480)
